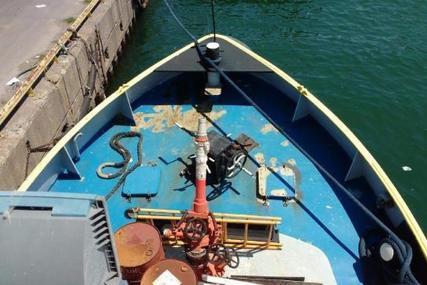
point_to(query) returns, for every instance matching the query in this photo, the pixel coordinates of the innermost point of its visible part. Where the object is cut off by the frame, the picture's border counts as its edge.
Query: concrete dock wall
(73, 83)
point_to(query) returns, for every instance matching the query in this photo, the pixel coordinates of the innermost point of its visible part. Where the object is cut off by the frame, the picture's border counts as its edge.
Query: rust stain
(165, 117)
(284, 143)
(267, 128)
(291, 166)
(259, 157)
(281, 192)
(273, 162)
(288, 168)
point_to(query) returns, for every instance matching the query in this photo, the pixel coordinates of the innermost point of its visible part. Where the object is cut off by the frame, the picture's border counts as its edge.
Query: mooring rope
(123, 171)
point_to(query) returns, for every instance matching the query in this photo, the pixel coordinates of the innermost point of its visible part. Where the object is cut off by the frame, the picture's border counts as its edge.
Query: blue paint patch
(323, 217)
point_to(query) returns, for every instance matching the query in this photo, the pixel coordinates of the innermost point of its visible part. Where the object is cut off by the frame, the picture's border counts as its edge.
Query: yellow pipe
(229, 221)
(249, 245)
(149, 210)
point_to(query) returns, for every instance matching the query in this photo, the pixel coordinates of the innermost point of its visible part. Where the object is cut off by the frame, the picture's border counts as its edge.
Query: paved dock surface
(28, 29)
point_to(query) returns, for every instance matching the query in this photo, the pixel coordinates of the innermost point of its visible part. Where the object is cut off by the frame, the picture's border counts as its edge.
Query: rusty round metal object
(170, 271)
(139, 246)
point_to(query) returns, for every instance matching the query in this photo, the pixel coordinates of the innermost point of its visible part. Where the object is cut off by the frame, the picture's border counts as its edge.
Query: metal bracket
(68, 163)
(356, 167)
(301, 110)
(126, 108)
(76, 147)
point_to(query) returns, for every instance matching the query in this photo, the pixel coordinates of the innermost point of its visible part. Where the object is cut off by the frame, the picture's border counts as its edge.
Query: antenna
(213, 18)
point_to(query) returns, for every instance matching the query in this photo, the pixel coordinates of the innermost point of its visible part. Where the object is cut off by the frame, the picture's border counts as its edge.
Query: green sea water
(366, 60)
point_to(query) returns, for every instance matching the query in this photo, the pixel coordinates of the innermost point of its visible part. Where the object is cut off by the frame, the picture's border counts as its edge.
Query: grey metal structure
(56, 238)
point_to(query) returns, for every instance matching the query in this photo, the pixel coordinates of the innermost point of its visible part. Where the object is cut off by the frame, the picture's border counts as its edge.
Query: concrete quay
(27, 30)
(69, 87)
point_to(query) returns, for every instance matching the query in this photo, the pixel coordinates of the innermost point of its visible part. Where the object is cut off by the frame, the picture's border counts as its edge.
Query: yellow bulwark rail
(44, 64)
(237, 229)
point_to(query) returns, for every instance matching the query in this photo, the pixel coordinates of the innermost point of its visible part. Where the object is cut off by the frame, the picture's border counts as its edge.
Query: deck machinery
(205, 235)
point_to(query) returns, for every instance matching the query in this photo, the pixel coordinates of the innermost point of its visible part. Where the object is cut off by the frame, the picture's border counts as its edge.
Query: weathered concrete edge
(60, 98)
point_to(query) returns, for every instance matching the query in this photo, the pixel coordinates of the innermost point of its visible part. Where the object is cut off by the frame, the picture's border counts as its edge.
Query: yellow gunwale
(392, 190)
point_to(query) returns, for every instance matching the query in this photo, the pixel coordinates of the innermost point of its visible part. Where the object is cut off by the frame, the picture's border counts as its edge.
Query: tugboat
(213, 166)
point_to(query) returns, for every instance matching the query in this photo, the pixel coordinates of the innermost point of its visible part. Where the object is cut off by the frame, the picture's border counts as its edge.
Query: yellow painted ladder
(244, 224)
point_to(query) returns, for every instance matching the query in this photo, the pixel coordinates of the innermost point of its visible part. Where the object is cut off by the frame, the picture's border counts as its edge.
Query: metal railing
(245, 222)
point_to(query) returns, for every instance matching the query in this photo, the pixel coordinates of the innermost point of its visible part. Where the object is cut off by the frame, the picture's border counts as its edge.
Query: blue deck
(323, 217)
